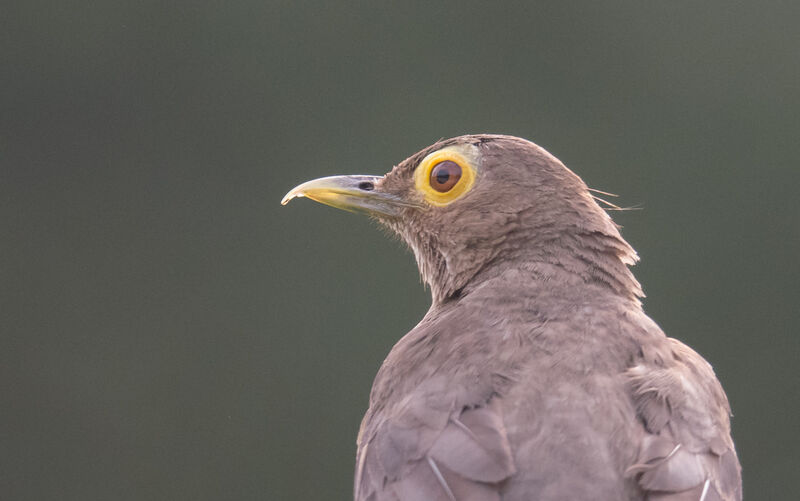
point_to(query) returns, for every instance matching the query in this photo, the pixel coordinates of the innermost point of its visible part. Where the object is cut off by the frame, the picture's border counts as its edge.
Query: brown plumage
(535, 374)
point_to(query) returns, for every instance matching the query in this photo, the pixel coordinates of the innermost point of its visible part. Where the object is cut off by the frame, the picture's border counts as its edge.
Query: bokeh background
(168, 331)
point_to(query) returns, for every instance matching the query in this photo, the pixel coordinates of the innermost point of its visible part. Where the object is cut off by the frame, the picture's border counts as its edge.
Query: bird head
(473, 205)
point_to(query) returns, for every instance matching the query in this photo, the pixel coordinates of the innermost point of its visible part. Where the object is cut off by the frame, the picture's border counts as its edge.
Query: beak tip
(289, 196)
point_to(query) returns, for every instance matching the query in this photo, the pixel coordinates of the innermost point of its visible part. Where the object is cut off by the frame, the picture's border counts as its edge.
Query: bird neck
(570, 260)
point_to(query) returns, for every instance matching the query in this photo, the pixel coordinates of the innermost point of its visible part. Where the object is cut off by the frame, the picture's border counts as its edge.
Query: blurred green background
(168, 331)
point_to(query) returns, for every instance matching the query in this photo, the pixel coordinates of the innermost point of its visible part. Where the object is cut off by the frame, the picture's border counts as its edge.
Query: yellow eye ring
(422, 177)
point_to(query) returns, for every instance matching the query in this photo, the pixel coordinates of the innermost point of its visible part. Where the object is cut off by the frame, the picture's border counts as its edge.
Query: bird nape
(535, 374)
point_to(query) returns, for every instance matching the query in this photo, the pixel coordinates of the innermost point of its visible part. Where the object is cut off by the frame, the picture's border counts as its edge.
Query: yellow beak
(352, 193)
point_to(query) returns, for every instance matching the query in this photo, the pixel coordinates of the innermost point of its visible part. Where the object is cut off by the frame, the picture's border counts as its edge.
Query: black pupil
(445, 175)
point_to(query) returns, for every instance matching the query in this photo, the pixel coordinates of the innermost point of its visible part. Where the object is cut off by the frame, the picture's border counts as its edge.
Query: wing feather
(464, 459)
(686, 452)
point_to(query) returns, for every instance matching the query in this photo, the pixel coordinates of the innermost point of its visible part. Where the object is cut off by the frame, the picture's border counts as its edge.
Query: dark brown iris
(445, 175)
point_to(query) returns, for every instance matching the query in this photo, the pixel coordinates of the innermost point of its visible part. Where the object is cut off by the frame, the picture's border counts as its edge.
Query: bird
(535, 374)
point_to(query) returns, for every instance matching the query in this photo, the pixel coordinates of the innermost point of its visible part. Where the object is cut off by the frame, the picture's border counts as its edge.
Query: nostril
(366, 186)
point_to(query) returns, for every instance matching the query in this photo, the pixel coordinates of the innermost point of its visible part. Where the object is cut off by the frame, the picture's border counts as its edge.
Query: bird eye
(445, 175)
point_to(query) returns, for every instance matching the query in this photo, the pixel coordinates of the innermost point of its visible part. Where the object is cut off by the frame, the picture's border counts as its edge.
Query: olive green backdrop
(168, 331)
